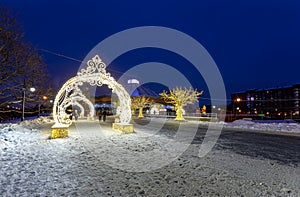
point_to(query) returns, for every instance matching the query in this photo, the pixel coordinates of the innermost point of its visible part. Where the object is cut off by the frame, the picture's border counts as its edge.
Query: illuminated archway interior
(75, 103)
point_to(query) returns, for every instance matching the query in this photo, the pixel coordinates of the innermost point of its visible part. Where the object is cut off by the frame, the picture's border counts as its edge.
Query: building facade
(275, 103)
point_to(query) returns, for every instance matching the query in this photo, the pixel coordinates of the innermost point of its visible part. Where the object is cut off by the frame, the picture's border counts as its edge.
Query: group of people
(102, 114)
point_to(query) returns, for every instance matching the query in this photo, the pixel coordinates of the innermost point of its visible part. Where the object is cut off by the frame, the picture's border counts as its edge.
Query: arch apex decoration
(94, 74)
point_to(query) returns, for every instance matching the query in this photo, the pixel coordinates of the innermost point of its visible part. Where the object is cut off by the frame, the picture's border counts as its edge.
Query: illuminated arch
(94, 74)
(78, 105)
(81, 97)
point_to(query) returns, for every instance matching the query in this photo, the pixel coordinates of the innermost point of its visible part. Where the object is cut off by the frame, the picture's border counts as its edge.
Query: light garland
(94, 74)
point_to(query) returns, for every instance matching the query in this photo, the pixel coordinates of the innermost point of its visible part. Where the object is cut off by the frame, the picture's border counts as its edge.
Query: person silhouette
(76, 115)
(99, 112)
(104, 115)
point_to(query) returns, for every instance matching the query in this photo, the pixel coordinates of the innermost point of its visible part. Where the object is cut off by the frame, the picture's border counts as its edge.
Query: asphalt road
(282, 149)
(279, 148)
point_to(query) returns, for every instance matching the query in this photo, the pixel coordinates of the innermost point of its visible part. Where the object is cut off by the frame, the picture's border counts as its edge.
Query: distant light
(45, 97)
(32, 89)
(238, 99)
(133, 81)
(214, 107)
(51, 101)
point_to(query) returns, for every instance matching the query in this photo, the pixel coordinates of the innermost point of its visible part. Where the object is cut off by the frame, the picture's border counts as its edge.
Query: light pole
(234, 109)
(44, 98)
(23, 99)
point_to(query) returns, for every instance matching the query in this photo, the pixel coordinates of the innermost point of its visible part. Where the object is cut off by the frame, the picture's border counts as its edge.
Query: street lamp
(44, 98)
(234, 109)
(23, 99)
(32, 89)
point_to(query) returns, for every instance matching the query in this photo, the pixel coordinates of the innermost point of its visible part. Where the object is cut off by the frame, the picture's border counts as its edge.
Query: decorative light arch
(94, 74)
(78, 105)
(82, 98)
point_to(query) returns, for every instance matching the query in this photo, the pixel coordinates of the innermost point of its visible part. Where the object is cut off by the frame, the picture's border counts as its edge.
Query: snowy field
(292, 127)
(94, 161)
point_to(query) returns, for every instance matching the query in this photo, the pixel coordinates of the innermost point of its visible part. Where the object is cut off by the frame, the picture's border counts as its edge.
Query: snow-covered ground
(33, 165)
(292, 127)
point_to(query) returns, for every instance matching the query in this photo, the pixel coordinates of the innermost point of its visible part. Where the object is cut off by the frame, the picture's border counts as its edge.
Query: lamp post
(23, 99)
(44, 98)
(234, 109)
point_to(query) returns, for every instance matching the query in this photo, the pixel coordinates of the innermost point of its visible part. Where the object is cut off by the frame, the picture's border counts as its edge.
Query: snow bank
(263, 126)
(16, 133)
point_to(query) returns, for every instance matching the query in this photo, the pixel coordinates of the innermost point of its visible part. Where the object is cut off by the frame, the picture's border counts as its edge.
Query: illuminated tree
(139, 102)
(179, 98)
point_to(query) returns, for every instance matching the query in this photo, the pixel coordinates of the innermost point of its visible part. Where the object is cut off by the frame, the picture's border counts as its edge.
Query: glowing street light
(234, 107)
(32, 89)
(44, 98)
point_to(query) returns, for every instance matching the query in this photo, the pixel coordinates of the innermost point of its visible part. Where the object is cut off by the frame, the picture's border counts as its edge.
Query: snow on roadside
(16, 133)
(275, 127)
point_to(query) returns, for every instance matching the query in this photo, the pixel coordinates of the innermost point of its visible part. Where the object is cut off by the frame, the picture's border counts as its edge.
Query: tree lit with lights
(180, 97)
(139, 102)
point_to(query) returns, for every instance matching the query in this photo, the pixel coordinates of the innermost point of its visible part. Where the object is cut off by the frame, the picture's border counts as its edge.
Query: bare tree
(179, 98)
(139, 102)
(20, 65)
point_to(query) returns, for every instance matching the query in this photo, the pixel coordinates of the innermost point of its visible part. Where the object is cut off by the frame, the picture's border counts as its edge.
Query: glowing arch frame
(94, 74)
(82, 98)
(78, 105)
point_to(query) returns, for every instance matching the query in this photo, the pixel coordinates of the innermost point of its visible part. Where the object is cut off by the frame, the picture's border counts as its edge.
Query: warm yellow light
(238, 99)
(180, 97)
(45, 97)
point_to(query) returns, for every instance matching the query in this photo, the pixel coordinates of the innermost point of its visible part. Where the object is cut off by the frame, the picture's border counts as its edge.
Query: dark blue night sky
(255, 43)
